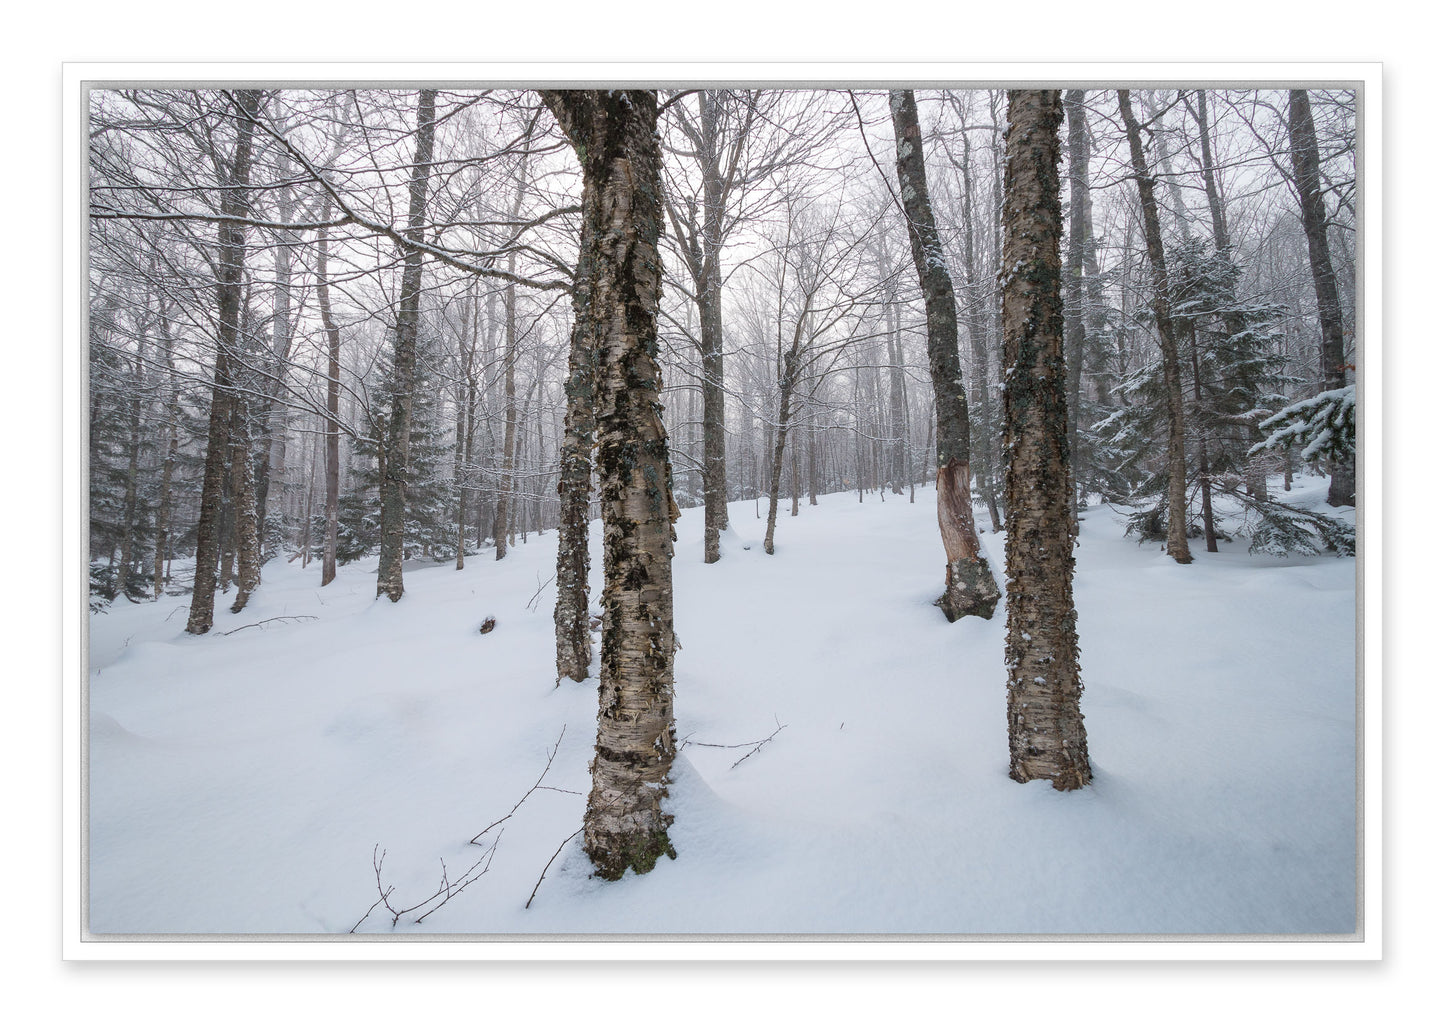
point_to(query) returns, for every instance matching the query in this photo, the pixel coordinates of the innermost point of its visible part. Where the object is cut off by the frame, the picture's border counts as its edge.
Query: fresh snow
(240, 783)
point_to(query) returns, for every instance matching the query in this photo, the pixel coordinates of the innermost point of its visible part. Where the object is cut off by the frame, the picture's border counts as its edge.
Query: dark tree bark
(393, 480)
(1305, 159)
(1177, 545)
(1046, 728)
(244, 518)
(230, 277)
(970, 588)
(574, 486)
(614, 136)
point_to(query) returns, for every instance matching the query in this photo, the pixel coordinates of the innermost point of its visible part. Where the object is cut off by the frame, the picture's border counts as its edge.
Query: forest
(426, 425)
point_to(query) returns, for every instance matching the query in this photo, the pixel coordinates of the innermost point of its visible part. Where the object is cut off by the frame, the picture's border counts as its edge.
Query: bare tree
(969, 588)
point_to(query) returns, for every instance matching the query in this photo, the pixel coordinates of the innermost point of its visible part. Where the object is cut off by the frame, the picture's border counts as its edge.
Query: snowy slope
(240, 783)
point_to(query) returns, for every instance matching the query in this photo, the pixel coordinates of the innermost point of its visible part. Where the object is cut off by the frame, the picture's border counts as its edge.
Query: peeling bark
(614, 135)
(1046, 728)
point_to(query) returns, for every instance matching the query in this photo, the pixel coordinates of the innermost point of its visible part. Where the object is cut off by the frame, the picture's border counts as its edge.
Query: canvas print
(732, 512)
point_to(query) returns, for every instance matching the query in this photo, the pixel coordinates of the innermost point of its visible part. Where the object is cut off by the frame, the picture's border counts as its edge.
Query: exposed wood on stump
(1046, 729)
(614, 135)
(970, 588)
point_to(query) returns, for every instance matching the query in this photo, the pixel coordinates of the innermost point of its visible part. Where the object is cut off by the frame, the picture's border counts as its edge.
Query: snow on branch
(1324, 426)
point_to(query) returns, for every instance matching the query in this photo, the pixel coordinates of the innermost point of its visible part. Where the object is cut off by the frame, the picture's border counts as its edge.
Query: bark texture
(393, 480)
(969, 588)
(1046, 728)
(614, 135)
(1177, 544)
(230, 278)
(1305, 158)
(574, 486)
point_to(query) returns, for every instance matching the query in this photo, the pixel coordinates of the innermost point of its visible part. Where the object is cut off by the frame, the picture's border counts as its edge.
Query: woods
(384, 330)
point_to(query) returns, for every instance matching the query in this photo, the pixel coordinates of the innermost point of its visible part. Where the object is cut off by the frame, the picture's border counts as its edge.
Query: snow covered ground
(240, 783)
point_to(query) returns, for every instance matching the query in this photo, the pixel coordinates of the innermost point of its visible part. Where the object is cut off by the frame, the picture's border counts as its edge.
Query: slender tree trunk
(970, 587)
(1074, 331)
(504, 526)
(128, 502)
(1211, 540)
(244, 517)
(333, 409)
(231, 268)
(1046, 728)
(614, 135)
(398, 435)
(786, 386)
(273, 441)
(978, 343)
(714, 435)
(1305, 159)
(1178, 541)
(168, 467)
(574, 485)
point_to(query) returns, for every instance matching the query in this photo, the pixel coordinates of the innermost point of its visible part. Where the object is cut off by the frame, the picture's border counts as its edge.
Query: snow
(241, 783)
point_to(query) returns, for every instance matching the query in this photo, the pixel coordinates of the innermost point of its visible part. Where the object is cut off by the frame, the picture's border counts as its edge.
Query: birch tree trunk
(1177, 544)
(393, 480)
(970, 588)
(614, 135)
(1046, 728)
(574, 485)
(230, 276)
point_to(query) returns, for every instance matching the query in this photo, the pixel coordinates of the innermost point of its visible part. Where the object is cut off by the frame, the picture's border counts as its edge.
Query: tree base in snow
(970, 592)
(613, 852)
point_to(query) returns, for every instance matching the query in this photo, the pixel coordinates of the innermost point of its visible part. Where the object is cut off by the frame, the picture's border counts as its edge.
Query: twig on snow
(263, 621)
(549, 864)
(535, 786)
(755, 746)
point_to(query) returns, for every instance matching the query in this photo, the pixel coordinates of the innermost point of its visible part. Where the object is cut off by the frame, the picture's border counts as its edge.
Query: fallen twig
(540, 588)
(549, 864)
(535, 786)
(445, 890)
(755, 746)
(263, 621)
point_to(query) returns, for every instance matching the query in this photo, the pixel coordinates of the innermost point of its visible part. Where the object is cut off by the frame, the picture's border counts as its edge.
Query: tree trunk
(614, 135)
(398, 436)
(1178, 541)
(970, 587)
(978, 345)
(1074, 330)
(1046, 728)
(574, 485)
(1305, 157)
(245, 521)
(333, 409)
(786, 385)
(231, 268)
(168, 468)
